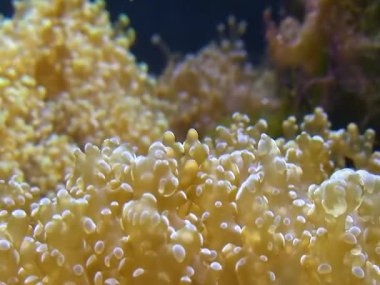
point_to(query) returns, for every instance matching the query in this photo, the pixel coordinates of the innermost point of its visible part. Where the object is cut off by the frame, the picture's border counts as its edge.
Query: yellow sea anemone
(145, 208)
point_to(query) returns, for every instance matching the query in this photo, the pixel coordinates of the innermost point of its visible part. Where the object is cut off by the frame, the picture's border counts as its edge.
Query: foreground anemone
(240, 208)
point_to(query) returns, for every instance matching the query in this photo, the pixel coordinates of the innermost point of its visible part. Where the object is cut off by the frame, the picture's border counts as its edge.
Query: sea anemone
(93, 190)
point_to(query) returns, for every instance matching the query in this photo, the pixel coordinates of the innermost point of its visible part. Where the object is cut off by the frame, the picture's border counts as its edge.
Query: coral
(234, 209)
(326, 56)
(93, 191)
(209, 86)
(67, 78)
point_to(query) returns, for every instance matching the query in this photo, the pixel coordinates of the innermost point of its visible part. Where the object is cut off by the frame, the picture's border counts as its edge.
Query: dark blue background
(185, 25)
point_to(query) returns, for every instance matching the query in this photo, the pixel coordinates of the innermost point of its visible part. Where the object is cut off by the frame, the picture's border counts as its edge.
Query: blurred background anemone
(295, 55)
